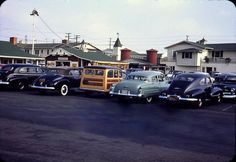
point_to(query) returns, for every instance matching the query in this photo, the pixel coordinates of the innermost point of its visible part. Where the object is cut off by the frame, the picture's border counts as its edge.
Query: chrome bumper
(42, 87)
(228, 95)
(125, 94)
(175, 98)
(4, 83)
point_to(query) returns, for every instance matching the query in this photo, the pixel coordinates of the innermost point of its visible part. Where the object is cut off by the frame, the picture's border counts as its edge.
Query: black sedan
(227, 82)
(61, 80)
(192, 87)
(19, 76)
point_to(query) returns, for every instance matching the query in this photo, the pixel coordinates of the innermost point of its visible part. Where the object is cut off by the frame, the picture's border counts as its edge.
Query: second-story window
(36, 52)
(187, 55)
(218, 54)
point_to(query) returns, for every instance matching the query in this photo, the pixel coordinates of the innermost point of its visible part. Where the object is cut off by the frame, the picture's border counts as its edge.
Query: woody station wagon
(100, 78)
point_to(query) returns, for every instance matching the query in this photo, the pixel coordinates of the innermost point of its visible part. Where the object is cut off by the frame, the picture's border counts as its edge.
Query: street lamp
(34, 12)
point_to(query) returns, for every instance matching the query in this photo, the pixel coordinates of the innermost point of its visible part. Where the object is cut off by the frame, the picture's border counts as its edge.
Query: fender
(195, 92)
(62, 81)
(216, 91)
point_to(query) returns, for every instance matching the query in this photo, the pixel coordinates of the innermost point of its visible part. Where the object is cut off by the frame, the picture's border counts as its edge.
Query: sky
(141, 24)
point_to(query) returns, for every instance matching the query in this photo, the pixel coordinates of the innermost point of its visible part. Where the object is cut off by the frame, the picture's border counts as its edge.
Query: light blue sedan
(140, 84)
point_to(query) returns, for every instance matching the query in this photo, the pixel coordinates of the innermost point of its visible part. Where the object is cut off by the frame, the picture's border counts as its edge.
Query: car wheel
(42, 91)
(149, 99)
(63, 89)
(20, 85)
(218, 99)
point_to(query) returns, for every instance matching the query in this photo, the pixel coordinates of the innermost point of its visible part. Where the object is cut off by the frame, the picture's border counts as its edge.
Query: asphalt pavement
(96, 128)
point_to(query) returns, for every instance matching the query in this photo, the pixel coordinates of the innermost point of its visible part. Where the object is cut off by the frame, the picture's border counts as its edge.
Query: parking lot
(96, 128)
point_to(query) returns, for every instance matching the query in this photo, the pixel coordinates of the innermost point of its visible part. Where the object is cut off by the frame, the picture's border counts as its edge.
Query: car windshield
(185, 78)
(231, 79)
(137, 77)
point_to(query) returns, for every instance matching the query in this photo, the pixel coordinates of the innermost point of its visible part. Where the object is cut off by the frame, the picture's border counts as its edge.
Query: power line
(50, 28)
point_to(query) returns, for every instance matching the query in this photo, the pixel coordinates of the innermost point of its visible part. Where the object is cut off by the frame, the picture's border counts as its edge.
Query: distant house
(45, 49)
(74, 57)
(197, 56)
(10, 53)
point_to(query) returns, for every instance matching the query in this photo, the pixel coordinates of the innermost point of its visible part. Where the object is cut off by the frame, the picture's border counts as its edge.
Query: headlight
(163, 93)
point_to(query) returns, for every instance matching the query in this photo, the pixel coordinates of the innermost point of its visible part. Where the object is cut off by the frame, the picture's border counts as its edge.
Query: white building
(197, 56)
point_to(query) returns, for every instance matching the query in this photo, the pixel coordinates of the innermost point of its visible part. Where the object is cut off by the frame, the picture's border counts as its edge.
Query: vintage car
(61, 80)
(140, 84)
(227, 82)
(19, 76)
(192, 87)
(99, 78)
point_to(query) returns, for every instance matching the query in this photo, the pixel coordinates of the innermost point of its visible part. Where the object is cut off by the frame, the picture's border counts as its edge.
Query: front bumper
(125, 94)
(42, 87)
(175, 98)
(228, 95)
(4, 83)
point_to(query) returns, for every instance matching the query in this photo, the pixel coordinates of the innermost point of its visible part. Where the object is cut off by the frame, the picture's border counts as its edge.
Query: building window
(27, 51)
(203, 69)
(218, 54)
(187, 55)
(41, 51)
(36, 52)
(48, 52)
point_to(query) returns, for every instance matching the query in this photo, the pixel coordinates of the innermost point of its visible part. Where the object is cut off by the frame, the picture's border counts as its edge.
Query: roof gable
(190, 43)
(93, 56)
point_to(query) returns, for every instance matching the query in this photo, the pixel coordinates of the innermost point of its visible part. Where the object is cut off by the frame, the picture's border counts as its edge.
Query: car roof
(146, 73)
(100, 67)
(195, 74)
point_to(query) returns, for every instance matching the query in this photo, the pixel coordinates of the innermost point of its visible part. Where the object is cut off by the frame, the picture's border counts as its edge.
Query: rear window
(185, 78)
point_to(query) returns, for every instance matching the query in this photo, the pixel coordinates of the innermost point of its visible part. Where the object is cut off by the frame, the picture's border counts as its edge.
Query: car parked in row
(140, 84)
(100, 78)
(61, 80)
(193, 88)
(227, 82)
(19, 76)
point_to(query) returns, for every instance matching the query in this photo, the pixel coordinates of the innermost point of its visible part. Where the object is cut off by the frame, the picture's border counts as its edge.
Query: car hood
(178, 87)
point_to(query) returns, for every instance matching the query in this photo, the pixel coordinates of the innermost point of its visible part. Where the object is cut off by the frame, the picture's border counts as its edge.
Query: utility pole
(34, 12)
(109, 43)
(76, 38)
(68, 37)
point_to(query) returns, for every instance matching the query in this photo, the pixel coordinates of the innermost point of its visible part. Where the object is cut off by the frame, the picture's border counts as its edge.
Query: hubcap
(149, 99)
(199, 102)
(64, 90)
(21, 85)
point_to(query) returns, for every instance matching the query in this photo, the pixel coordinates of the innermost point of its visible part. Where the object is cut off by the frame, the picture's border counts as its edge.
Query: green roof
(93, 56)
(10, 50)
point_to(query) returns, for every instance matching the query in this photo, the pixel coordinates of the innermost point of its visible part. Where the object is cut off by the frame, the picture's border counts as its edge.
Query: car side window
(110, 74)
(116, 72)
(202, 81)
(160, 78)
(208, 81)
(23, 70)
(155, 79)
(31, 70)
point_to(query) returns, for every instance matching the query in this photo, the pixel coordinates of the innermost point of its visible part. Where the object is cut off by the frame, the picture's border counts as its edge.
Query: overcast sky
(141, 24)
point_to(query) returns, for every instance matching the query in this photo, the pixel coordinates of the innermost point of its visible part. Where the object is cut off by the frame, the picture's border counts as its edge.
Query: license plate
(173, 98)
(124, 91)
